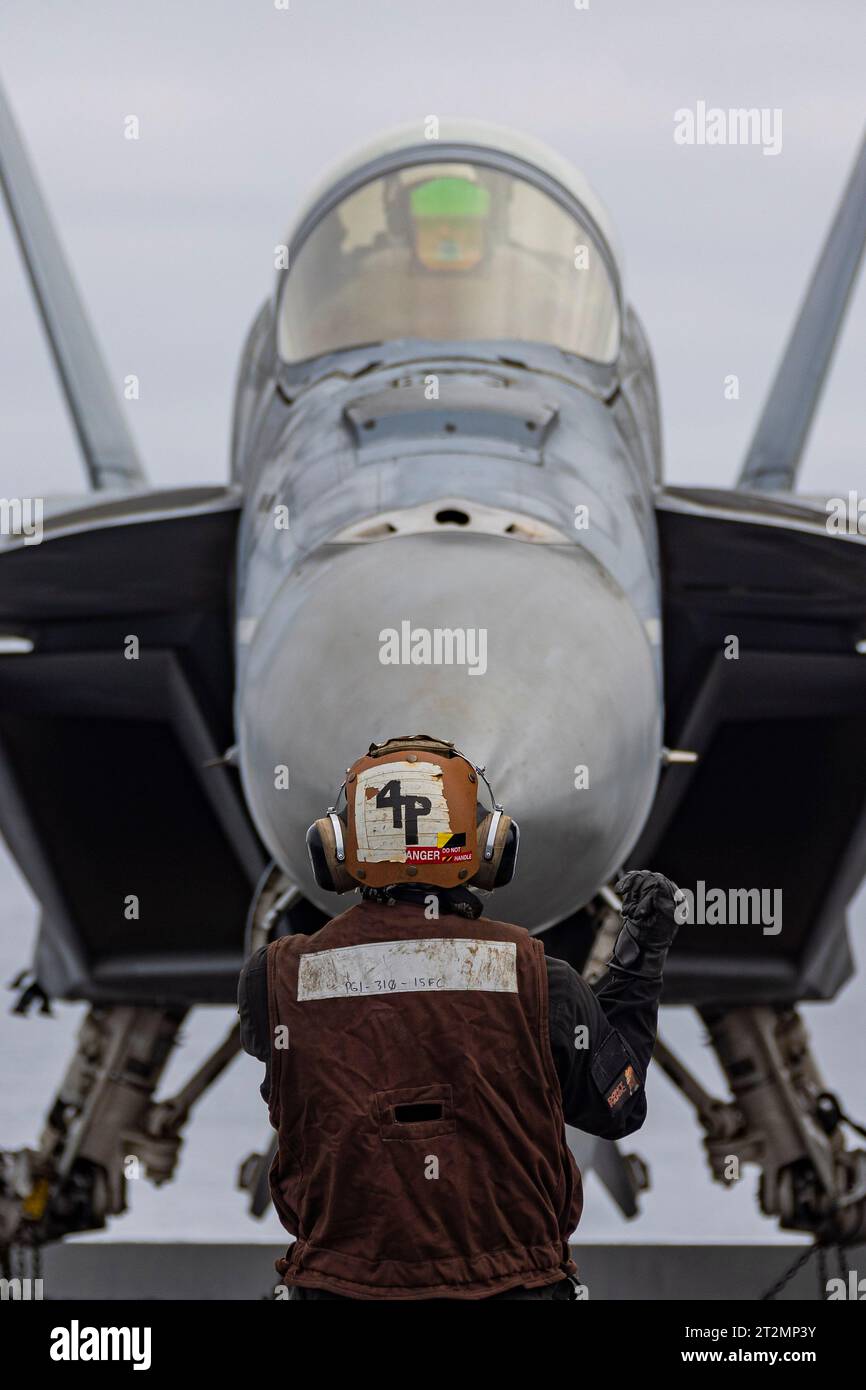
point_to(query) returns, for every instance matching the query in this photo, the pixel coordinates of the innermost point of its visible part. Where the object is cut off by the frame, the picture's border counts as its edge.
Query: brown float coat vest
(422, 1149)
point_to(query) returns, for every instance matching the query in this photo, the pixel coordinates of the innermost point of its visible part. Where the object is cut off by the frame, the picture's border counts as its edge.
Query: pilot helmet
(448, 217)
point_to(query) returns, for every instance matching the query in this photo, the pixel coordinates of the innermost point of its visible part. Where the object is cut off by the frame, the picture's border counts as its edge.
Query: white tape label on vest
(416, 967)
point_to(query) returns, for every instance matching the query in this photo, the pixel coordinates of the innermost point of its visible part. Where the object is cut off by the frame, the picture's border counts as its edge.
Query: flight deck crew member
(422, 1060)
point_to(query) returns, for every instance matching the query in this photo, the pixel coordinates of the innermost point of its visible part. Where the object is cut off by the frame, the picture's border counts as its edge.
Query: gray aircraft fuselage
(454, 537)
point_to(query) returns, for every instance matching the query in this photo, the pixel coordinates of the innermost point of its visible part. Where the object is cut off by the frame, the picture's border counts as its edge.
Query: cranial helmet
(412, 816)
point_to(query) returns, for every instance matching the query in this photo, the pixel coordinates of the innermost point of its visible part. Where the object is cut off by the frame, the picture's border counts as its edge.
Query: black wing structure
(777, 798)
(105, 787)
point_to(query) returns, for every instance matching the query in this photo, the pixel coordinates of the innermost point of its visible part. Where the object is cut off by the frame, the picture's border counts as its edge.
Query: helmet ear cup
(508, 859)
(498, 870)
(329, 869)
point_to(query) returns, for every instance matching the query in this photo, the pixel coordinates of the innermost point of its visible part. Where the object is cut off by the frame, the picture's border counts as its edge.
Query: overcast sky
(241, 107)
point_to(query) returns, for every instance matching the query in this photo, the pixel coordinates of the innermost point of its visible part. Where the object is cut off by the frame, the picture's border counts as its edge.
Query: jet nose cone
(528, 657)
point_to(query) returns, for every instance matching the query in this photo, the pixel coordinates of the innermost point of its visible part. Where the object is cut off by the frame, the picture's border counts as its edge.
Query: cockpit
(441, 251)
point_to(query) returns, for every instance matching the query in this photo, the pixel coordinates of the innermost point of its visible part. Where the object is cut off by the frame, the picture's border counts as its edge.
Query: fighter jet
(446, 513)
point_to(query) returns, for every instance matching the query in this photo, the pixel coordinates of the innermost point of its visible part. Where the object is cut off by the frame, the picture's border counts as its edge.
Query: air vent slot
(468, 416)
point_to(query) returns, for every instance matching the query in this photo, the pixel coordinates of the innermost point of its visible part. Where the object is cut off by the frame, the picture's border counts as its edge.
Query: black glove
(652, 909)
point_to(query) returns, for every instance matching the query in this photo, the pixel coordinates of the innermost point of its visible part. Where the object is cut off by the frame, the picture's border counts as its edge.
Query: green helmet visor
(449, 197)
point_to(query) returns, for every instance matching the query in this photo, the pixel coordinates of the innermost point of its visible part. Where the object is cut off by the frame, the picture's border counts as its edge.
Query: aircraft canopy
(448, 251)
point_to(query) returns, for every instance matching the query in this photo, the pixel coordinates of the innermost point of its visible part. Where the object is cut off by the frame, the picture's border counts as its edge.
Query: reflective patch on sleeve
(625, 1086)
(428, 966)
(613, 1072)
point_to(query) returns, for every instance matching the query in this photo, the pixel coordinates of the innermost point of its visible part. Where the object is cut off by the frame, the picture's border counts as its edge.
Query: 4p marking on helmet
(418, 830)
(395, 805)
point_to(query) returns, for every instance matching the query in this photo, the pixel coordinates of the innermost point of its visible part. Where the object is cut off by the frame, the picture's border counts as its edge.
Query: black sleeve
(253, 1012)
(602, 1040)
